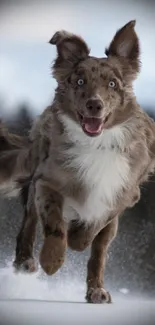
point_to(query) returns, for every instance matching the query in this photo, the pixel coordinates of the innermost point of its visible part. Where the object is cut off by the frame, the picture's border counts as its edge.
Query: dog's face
(93, 91)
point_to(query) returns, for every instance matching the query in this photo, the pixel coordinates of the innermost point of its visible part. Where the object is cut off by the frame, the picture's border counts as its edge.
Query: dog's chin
(92, 126)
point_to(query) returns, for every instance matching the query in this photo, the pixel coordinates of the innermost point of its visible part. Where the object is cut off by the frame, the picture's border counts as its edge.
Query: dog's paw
(52, 255)
(98, 296)
(28, 265)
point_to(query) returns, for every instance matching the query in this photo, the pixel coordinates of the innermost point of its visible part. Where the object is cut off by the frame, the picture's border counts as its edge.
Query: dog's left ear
(69, 46)
(125, 44)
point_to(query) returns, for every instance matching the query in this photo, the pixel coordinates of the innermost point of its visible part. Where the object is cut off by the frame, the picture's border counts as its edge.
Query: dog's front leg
(49, 208)
(96, 264)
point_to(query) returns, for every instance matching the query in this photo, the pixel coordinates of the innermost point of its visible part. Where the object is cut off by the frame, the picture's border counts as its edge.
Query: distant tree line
(20, 121)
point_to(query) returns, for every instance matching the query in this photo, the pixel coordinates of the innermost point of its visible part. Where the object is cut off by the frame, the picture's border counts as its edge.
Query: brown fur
(94, 96)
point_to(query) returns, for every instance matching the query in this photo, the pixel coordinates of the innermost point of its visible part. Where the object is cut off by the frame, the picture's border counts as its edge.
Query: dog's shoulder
(42, 124)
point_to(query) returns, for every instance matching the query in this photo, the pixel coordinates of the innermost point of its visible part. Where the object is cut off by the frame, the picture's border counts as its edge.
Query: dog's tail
(9, 141)
(15, 164)
(15, 159)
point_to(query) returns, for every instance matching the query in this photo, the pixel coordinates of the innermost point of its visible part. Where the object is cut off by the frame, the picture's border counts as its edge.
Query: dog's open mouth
(92, 126)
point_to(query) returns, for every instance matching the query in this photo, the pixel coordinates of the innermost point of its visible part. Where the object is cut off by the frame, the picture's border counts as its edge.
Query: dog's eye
(80, 82)
(112, 84)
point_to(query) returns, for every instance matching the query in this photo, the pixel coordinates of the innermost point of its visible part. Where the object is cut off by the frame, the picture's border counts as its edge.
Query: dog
(86, 157)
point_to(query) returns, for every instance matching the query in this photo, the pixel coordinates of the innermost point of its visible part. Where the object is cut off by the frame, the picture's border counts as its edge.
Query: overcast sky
(26, 56)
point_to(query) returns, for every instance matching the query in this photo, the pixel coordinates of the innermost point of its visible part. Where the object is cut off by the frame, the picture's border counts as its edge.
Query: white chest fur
(103, 169)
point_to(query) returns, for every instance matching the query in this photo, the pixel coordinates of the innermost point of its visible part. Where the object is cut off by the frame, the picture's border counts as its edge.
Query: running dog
(87, 155)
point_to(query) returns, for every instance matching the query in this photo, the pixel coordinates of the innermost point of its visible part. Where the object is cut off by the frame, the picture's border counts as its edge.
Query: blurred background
(26, 88)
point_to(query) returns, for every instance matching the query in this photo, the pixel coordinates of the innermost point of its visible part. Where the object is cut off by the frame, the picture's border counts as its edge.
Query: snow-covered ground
(27, 299)
(57, 313)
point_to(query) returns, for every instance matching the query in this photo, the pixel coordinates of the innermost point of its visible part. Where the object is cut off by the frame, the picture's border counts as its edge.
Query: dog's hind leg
(49, 205)
(24, 259)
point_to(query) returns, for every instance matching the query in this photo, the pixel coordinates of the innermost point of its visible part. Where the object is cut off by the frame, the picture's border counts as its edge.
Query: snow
(45, 312)
(28, 299)
(125, 291)
(34, 286)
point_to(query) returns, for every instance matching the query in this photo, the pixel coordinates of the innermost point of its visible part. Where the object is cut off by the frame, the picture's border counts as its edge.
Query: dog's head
(94, 91)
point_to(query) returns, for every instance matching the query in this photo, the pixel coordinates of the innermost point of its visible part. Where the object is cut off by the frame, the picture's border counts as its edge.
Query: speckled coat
(88, 154)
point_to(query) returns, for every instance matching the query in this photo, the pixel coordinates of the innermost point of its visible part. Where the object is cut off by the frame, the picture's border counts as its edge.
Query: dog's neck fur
(114, 138)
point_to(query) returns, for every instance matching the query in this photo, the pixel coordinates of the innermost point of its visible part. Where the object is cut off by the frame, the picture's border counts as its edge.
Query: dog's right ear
(70, 49)
(69, 46)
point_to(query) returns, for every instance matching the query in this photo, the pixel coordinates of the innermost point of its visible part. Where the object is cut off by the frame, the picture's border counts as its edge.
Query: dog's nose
(94, 106)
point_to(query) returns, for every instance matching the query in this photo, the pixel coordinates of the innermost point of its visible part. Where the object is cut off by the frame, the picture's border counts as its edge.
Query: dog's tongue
(92, 125)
